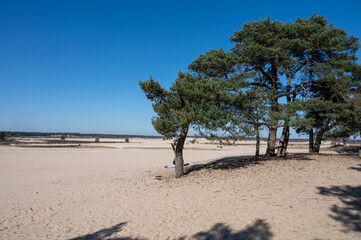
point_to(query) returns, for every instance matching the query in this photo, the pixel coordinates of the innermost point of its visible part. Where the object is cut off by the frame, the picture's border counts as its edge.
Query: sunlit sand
(117, 190)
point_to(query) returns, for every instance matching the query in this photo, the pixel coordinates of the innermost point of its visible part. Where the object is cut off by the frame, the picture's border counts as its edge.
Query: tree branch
(297, 89)
(261, 85)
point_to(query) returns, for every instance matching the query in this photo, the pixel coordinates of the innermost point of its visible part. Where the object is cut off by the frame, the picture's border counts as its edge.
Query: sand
(122, 191)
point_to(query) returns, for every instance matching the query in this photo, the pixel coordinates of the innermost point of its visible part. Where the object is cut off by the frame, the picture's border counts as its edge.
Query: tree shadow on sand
(106, 234)
(229, 163)
(349, 214)
(260, 230)
(351, 151)
(225, 164)
(356, 168)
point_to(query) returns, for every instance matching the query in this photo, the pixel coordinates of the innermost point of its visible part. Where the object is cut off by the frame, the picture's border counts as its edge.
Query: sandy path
(104, 194)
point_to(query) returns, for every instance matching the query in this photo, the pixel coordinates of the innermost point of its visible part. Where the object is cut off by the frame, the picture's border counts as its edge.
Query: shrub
(126, 140)
(62, 138)
(97, 140)
(193, 141)
(2, 136)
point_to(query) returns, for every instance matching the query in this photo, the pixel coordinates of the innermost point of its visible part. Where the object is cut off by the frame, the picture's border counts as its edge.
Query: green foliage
(97, 140)
(215, 63)
(347, 120)
(127, 140)
(190, 101)
(220, 68)
(62, 137)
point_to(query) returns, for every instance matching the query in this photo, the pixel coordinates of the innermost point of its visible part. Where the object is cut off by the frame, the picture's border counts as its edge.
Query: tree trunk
(282, 148)
(178, 146)
(179, 171)
(257, 141)
(283, 143)
(323, 129)
(271, 142)
(310, 140)
(344, 141)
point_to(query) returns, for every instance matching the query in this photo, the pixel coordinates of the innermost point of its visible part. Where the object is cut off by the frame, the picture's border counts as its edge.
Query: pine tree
(189, 102)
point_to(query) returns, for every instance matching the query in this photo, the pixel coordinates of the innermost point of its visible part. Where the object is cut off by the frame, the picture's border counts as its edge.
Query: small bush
(2, 136)
(62, 138)
(193, 141)
(126, 140)
(97, 140)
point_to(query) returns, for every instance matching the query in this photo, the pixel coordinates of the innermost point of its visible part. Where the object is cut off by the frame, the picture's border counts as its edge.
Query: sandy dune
(124, 192)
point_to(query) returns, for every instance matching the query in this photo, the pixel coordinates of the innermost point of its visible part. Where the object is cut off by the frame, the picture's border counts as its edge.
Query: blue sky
(74, 66)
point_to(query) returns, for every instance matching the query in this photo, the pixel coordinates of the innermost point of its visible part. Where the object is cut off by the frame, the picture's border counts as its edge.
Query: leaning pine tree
(190, 101)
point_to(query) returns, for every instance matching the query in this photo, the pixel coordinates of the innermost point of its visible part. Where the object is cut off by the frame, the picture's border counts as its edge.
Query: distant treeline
(102, 135)
(80, 135)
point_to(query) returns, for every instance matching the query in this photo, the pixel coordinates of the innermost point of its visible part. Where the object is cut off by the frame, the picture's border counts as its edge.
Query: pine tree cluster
(301, 75)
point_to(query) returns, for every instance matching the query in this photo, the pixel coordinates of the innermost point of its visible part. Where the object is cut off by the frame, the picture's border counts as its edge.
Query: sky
(74, 66)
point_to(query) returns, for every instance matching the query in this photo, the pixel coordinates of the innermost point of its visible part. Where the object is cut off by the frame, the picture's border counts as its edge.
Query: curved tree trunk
(178, 146)
(271, 142)
(323, 129)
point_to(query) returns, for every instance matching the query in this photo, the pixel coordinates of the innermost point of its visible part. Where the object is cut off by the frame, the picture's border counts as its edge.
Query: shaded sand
(125, 193)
